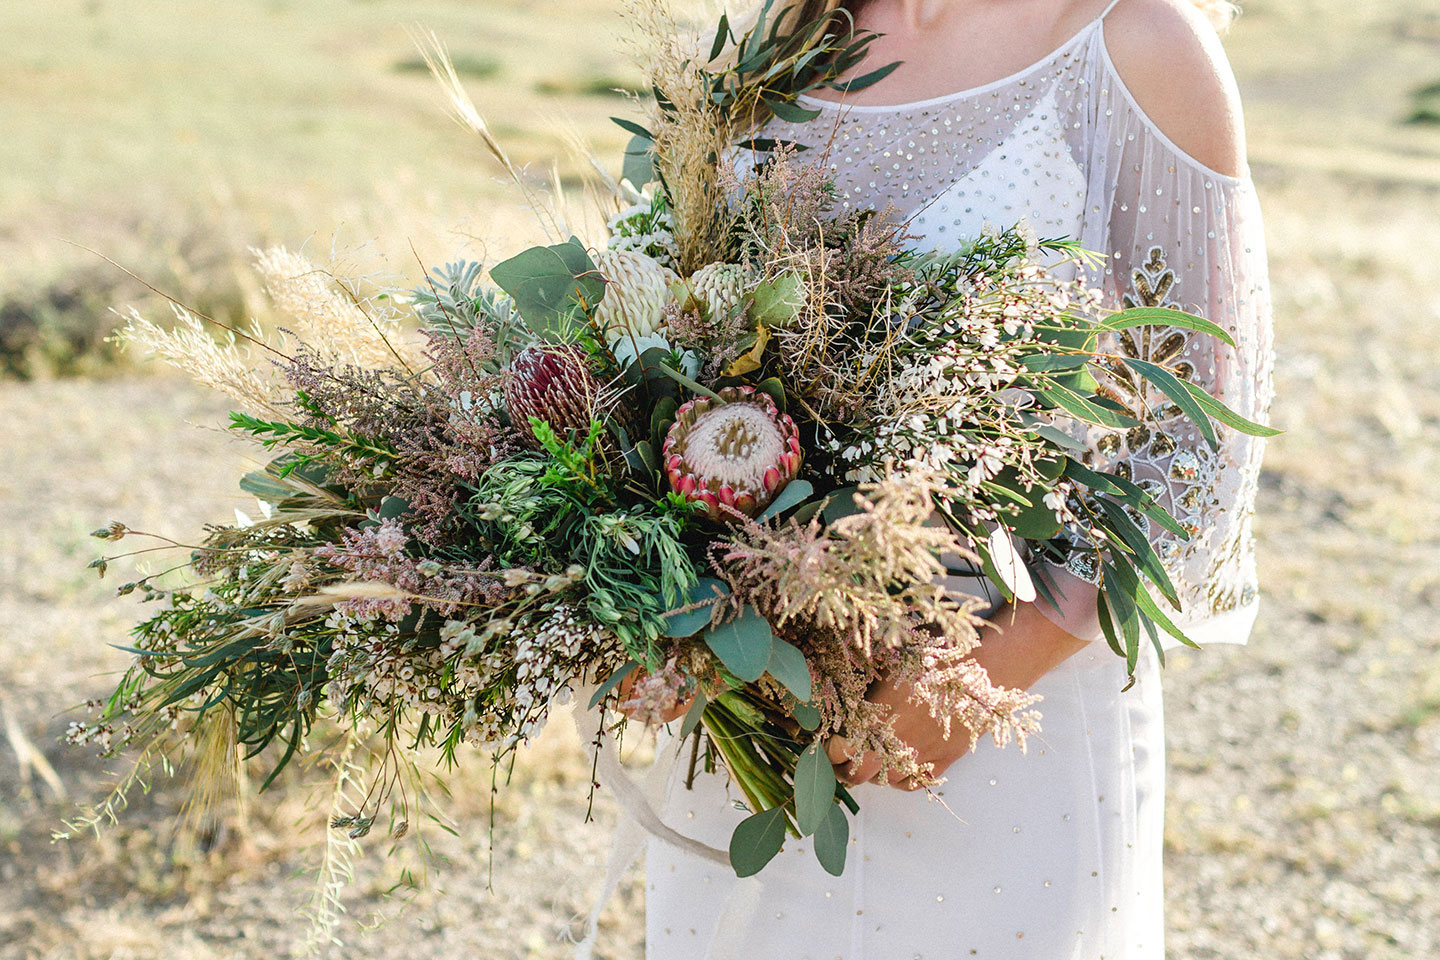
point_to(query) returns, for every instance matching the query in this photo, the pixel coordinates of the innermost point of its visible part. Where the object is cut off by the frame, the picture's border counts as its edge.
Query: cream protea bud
(637, 288)
(739, 452)
(719, 287)
(551, 382)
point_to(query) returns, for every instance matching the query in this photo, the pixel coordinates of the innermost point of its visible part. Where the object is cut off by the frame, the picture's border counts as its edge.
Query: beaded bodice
(1064, 145)
(996, 154)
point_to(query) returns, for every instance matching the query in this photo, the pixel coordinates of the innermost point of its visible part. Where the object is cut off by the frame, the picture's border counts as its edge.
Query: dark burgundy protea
(739, 452)
(553, 383)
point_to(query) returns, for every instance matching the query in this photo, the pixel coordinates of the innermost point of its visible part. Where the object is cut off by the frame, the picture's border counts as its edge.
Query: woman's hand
(1019, 651)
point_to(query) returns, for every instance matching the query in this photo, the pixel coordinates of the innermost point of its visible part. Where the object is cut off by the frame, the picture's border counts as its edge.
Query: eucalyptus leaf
(807, 512)
(1032, 520)
(1165, 317)
(1151, 609)
(777, 302)
(722, 34)
(687, 383)
(1171, 386)
(662, 417)
(1107, 624)
(756, 841)
(639, 164)
(550, 284)
(612, 682)
(691, 622)
(1090, 410)
(792, 494)
(1125, 527)
(1060, 438)
(743, 644)
(768, 144)
(1225, 415)
(832, 841)
(841, 504)
(814, 789)
(791, 112)
(392, 507)
(787, 664)
(774, 389)
(264, 485)
(1120, 586)
(1126, 492)
(694, 715)
(630, 126)
(641, 457)
(1053, 362)
(868, 79)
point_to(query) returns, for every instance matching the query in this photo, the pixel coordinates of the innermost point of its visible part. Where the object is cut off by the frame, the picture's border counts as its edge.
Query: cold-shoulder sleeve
(1179, 235)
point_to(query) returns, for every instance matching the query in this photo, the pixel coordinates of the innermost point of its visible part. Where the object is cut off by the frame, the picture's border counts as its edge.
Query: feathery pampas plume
(328, 315)
(222, 365)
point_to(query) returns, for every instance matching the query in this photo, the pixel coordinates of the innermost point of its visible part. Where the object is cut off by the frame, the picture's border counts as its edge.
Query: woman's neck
(950, 45)
(920, 14)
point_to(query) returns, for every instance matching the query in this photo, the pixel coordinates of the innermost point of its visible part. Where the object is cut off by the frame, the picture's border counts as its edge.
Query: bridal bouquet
(720, 462)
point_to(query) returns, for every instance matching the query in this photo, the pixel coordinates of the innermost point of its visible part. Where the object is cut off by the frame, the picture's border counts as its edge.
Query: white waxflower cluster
(370, 664)
(645, 227)
(535, 666)
(928, 403)
(547, 662)
(108, 736)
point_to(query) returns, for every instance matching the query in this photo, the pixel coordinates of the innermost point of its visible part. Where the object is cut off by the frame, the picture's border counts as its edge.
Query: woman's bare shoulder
(1173, 63)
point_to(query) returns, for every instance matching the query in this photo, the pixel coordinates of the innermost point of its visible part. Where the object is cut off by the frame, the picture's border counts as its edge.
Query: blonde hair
(1222, 13)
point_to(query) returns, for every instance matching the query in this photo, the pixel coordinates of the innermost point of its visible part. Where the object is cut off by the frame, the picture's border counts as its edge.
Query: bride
(1116, 123)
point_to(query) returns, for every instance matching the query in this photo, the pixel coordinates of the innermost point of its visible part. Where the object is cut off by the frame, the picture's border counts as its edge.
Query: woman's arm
(1172, 61)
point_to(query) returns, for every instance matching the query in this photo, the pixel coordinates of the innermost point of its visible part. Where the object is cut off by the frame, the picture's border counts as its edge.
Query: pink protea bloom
(737, 453)
(552, 382)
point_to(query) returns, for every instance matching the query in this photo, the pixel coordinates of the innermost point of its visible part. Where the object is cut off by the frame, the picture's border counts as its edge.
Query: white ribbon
(640, 802)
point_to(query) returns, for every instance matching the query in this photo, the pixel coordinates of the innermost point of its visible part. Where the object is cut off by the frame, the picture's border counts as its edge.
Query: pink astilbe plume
(863, 598)
(378, 554)
(869, 576)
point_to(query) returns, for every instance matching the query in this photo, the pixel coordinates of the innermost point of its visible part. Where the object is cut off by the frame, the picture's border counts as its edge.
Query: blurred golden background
(1304, 801)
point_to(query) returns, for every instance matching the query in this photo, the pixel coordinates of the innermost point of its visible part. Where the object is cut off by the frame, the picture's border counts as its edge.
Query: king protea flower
(552, 382)
(637, 287)
(738, 452)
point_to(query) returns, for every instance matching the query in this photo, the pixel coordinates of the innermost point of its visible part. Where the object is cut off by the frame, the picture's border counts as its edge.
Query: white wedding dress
(1053, 854)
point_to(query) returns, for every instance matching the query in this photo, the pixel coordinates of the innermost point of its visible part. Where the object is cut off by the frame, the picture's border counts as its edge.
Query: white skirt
(1050, 855)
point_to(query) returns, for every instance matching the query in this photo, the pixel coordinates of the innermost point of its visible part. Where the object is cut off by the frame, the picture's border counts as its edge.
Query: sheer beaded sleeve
(1180, 235)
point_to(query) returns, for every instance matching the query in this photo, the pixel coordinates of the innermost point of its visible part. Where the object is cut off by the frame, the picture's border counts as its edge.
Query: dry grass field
(1304, 792)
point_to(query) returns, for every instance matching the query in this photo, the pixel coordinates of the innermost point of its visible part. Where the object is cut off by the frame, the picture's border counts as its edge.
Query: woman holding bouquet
(1115, 123)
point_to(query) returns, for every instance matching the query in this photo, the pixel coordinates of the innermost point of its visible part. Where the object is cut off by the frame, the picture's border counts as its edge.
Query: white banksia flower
(637, 287)
(720, 287)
